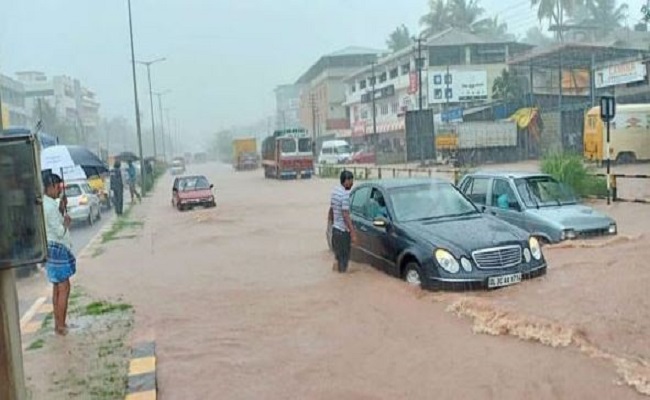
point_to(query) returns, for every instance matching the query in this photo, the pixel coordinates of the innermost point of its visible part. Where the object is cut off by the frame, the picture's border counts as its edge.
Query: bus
(629, 134)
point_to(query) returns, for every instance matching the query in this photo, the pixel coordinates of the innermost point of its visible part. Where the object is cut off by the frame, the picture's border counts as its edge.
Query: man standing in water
(132, 180)
(343, 234)
(61, 264)
(117, 186)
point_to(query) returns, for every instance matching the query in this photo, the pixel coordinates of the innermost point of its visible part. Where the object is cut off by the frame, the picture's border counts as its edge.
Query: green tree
(464, 14)
(555, 12)
(437, 19)
(399, 39)
(605, 15)
(491, 27)
(508, 87)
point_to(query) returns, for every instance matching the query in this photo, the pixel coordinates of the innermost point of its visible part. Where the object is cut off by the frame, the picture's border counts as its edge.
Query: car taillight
(83, 200)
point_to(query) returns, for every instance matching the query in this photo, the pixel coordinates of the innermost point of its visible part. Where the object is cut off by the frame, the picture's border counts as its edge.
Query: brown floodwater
(243, 304)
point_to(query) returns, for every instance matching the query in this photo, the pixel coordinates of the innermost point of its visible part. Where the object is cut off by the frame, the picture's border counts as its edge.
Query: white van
(335, 152)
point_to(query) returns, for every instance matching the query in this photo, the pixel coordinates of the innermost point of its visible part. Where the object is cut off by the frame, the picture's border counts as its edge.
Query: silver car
(536, 203)
(83, 204)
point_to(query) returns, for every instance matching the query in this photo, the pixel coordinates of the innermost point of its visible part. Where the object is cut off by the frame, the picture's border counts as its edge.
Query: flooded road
(243, 304)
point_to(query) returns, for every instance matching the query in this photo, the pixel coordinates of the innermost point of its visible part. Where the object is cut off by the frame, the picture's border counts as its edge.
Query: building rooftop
(348, 57)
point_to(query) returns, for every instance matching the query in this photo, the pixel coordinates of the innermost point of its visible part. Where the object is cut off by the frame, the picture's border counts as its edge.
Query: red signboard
(413, 82)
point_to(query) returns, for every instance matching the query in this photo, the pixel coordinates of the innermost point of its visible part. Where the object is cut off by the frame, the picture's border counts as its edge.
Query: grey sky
(224, 57)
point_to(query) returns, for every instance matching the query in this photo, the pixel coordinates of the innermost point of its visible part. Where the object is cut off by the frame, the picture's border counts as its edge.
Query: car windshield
(73, 191)
(198, 183)
(177, 164)
(343, 149)
(433, 201)
(544, 191)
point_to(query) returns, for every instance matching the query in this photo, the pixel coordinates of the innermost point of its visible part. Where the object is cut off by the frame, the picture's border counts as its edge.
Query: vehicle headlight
(535, 248)
(568, 234)
(466, 264)
(612, 229)
(527, 255)
(447, 261)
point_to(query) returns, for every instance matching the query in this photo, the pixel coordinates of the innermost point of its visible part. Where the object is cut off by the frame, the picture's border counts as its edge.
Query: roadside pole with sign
(607, 114)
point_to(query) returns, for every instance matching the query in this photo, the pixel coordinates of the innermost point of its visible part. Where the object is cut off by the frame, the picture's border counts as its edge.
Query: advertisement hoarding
(620, 74)
(456, 86)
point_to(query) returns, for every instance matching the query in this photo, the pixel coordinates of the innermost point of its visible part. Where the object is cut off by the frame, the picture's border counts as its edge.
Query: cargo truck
(288, 153)
(478, 142)
(245, 154)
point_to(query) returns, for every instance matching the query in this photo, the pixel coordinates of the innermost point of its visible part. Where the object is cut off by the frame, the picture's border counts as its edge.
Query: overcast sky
(224, 58)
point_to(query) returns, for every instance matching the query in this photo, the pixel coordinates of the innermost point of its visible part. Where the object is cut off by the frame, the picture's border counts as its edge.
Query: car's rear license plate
(504, 280)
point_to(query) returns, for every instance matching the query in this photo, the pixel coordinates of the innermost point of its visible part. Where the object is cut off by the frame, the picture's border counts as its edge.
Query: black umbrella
(127, 156)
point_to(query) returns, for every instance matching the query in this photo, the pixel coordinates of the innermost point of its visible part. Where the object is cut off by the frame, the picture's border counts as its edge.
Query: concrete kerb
(142, 381)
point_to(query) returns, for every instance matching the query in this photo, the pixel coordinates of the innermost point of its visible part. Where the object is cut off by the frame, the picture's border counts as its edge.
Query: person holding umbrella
(117, 186)
(61, 263)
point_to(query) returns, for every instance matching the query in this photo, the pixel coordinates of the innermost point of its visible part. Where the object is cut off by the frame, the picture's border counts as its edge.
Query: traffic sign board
(607, 108)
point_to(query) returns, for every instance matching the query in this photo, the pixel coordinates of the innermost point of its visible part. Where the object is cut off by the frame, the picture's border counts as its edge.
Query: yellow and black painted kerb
(33, 321)
(142, 373)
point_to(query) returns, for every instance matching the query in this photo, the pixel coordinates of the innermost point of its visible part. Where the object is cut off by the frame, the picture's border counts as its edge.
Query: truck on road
(245, 154)
(478, 142)
(288, 153)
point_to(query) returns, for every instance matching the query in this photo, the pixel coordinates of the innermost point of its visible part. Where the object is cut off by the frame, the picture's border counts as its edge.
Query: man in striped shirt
(343, 234)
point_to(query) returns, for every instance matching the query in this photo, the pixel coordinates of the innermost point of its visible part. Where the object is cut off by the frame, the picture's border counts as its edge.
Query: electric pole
(312, 101)
(419, 63)
(373, 81)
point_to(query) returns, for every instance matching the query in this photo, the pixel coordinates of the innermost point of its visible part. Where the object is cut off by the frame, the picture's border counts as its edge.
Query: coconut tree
(490, 27)
(555, 12)
(437, 19)
(464, 14)
(399, 39)
(508, 87)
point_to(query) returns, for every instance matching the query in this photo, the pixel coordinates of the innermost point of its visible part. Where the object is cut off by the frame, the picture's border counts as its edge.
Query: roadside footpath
(94, 360)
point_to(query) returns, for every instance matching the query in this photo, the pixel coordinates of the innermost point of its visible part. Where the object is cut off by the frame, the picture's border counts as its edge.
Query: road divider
(142, 381)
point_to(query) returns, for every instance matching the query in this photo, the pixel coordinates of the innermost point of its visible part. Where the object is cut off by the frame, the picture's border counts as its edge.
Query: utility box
(22, 225)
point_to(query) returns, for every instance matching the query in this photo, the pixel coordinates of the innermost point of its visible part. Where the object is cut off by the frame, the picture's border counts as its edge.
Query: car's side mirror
(211, 186)
(380, 222)
(483, 208)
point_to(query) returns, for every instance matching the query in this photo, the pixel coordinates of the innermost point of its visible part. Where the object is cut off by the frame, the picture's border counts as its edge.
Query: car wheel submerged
(413, 274)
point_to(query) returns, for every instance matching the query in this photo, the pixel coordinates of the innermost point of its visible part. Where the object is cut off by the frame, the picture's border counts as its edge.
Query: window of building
(447, 55)
(353, 88)
(384, 109)
(372, 80)
(362, 84)
(394, 107)
(406, 68)
(382, 77)
(393, 73)
(364, 114)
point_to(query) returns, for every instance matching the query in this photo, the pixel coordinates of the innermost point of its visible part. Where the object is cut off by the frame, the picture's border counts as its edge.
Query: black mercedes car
(428, 233)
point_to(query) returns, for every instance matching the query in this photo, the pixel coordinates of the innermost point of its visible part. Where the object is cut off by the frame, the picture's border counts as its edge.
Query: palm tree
(465, 13)
(555, 11)
(399, 39)
(437, 19)
(605, 14)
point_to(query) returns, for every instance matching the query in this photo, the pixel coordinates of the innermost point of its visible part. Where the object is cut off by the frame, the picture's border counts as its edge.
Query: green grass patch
(47, 321)
(121, 224)
(36, 344)
(102, 307)
(570, 169)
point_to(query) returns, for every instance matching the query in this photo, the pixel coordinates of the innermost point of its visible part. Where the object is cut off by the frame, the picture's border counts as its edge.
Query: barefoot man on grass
(61, 264)
(343, 234)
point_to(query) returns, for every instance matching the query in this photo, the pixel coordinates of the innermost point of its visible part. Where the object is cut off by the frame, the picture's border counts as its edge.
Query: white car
(335, 152)
(83, 204)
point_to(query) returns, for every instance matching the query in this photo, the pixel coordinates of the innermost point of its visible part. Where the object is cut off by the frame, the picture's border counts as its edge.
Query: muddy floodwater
(243, 304)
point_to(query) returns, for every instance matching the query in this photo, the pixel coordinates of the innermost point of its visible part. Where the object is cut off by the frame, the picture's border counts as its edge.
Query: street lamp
(135, 95)
(148, 64)
(162, 125)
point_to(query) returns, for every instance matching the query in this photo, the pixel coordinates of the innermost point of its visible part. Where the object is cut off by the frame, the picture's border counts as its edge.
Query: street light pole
(374, 105)
(135, 95)
(148, 64)
(162, 125)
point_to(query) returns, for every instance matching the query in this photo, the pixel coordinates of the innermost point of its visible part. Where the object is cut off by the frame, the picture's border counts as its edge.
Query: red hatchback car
(192, 191)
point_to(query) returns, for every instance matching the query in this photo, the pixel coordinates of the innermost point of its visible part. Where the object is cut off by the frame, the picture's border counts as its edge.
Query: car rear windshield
(429, 201)
(73, 190)
(198, 183)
